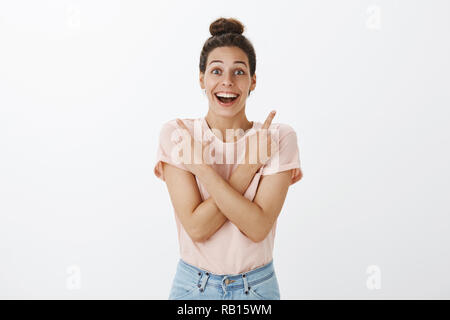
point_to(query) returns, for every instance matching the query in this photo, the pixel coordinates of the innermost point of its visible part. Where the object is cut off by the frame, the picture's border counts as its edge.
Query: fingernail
(273, 112)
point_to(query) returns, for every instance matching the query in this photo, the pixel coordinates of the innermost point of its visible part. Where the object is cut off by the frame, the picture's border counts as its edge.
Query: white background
(86, 85)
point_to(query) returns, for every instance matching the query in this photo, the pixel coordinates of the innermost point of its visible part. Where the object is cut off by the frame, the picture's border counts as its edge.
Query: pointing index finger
(269, 119)
(183, 126)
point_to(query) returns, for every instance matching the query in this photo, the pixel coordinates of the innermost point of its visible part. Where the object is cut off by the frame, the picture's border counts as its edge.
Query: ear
(201, 80)
(253, 84)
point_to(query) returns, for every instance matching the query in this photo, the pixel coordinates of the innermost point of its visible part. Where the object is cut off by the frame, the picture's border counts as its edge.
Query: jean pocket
(267, 289)
(180, 292)
(183, 285)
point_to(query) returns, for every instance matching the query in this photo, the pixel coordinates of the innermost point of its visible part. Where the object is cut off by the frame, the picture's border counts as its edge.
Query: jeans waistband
(231, 281)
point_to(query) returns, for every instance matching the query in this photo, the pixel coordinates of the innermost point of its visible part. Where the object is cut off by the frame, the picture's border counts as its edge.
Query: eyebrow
(234, 62)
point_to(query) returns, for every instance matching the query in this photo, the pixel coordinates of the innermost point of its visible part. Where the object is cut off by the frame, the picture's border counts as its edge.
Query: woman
(225, 192)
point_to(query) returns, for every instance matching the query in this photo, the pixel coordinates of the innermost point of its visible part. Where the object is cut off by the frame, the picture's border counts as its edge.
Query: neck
(217, 122)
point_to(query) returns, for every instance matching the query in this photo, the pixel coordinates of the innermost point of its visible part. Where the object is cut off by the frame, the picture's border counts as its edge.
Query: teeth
(226, 95)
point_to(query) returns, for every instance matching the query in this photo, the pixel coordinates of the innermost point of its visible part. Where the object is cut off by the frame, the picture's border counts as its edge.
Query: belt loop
(246, 287)
(204, 279)
(223, 283)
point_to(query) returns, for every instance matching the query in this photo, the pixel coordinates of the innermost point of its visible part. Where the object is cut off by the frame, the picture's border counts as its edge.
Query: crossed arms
(201, 219)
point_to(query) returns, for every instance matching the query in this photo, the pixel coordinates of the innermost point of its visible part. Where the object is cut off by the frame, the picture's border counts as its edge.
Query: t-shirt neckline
(211, 133)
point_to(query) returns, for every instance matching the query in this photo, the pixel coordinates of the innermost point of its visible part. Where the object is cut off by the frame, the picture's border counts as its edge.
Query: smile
(226, 99)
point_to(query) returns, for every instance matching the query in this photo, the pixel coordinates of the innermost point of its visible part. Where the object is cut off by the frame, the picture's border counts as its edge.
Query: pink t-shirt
(228, 251)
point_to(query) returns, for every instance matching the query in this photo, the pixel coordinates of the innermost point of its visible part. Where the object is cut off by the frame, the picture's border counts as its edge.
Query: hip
(193, 283)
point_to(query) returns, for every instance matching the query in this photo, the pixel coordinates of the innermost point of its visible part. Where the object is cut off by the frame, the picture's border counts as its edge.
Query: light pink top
(228, 251)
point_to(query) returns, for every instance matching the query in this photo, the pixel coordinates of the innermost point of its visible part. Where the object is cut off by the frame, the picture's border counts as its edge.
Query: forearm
(209, 218)
(244, 213)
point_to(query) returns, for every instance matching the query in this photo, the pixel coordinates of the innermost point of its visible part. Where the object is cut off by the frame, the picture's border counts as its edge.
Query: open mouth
(226, 99)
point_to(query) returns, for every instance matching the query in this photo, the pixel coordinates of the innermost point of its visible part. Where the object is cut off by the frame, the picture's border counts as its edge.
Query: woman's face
(227, 74)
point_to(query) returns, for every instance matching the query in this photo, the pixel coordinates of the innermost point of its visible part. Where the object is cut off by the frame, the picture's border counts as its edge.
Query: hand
(198, 149)
(257, 157)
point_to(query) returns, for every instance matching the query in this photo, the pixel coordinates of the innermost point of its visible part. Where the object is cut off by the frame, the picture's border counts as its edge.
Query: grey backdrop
(86, 85)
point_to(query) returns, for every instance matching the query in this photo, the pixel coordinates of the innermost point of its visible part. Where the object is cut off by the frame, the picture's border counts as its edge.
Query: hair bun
(223, 25)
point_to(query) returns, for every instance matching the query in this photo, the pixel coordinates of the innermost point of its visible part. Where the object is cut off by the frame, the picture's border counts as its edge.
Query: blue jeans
(193, 283)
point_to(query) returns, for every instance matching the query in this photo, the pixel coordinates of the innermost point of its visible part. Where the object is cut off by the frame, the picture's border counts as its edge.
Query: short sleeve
(287, 156)
(168, 149)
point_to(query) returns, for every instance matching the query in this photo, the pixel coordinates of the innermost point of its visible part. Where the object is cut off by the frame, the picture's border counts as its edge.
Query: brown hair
(227, 33)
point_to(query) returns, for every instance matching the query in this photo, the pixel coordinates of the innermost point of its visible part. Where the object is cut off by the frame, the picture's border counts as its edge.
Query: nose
(227, 80)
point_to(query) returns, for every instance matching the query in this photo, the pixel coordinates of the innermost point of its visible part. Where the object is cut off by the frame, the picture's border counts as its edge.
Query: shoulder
(281, 129)
(285, 129)
(286, 155)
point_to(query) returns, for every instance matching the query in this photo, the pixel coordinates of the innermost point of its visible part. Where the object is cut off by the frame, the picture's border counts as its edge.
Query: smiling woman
(226, 213)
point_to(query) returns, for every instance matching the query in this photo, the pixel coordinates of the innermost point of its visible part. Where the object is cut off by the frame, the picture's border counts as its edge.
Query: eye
(239, 70)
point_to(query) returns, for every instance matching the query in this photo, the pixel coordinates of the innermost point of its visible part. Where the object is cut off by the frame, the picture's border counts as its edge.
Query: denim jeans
(193, 283)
